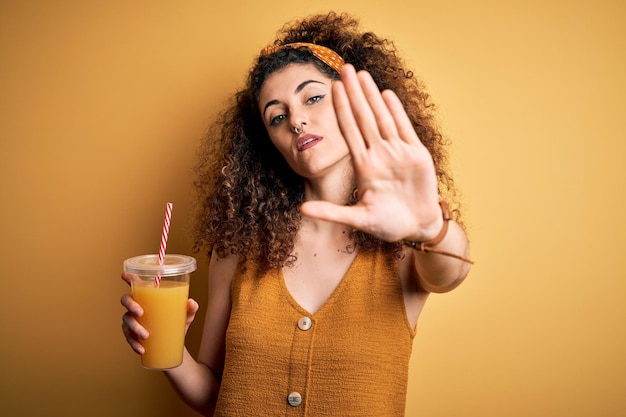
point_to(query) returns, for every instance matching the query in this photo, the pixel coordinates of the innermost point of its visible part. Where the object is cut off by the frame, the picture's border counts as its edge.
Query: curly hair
(249, 198)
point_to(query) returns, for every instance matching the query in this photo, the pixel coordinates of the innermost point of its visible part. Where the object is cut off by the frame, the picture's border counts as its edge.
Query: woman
(322, 208)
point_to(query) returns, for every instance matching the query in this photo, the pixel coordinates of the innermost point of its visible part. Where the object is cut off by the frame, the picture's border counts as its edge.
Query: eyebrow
(296, 91)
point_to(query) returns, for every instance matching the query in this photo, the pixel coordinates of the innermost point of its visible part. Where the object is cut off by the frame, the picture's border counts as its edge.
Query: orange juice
(165, 309)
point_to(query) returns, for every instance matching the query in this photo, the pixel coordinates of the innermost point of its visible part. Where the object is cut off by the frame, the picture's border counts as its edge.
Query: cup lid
(149, 265)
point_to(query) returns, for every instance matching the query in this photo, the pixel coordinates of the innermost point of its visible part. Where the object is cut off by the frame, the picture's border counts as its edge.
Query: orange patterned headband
(324, 54)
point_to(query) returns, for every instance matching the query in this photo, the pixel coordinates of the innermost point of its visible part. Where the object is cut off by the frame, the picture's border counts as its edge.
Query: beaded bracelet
(429, 245)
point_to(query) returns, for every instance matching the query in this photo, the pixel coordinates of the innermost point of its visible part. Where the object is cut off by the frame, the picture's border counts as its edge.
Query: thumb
(323, 210)
(192, 309)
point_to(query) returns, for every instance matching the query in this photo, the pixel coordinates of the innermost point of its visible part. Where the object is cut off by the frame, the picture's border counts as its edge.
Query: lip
(307, 141)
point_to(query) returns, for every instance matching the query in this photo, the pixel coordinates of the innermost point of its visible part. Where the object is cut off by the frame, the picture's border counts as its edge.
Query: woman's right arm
(198, 382)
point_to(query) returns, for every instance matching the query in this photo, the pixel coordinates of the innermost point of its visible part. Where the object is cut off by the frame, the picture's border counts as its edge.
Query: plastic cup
(164, 306)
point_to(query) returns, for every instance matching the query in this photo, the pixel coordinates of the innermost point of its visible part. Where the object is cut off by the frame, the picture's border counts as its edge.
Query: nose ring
(298, 129)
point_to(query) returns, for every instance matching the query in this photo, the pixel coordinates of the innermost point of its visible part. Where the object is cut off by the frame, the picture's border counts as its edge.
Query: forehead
(287, 79)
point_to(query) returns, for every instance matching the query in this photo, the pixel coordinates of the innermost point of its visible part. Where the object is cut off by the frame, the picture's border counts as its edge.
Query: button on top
(305, 323)
(295, 399)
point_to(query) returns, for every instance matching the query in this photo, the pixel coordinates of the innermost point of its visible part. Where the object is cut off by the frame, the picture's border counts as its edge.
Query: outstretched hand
(395, 174)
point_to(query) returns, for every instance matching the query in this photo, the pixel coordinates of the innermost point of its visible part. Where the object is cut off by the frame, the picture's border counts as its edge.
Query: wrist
(440, 228)
(428, 246)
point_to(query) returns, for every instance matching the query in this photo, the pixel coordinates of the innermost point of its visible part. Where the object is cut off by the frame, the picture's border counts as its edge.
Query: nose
(297, 129)
(297, 122)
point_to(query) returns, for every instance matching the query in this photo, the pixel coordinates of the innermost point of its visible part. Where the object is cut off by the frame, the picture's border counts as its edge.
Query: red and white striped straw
(164, 235)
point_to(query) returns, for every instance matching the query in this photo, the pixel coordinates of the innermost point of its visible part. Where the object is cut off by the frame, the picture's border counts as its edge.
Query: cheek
(331, 118)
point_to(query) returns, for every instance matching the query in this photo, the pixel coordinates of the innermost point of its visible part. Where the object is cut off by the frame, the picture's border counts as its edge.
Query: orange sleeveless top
(350, 358)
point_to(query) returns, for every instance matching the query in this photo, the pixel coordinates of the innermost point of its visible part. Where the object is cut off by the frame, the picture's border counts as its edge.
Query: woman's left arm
(441, 267)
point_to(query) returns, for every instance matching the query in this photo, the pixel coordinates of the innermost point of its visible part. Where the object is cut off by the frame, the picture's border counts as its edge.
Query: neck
(324, 230)
(318, 237)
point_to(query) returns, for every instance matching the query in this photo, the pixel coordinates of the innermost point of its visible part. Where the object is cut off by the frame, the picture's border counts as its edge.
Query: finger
(131, 305)
(405, 128)
(134, 326)
(385, 123)
(361, 118)
(347, 124)
(128, 277)
(192, 309)
(192, 305)
(132, 340)
(134, 332)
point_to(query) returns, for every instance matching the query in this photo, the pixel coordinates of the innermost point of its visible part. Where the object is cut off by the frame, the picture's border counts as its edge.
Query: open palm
(395, 173)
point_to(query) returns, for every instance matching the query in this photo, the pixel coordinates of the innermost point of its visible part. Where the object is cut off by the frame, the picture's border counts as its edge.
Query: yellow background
(102, 107)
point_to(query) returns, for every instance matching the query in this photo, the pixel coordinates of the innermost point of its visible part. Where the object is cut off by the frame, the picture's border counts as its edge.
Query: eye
(276, 120)
(315, 99)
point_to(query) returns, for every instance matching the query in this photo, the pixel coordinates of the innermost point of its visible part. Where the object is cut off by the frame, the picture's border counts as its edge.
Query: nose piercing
(298, 129)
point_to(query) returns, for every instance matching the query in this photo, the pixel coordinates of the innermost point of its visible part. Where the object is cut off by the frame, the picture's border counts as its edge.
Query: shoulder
(222, 271)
